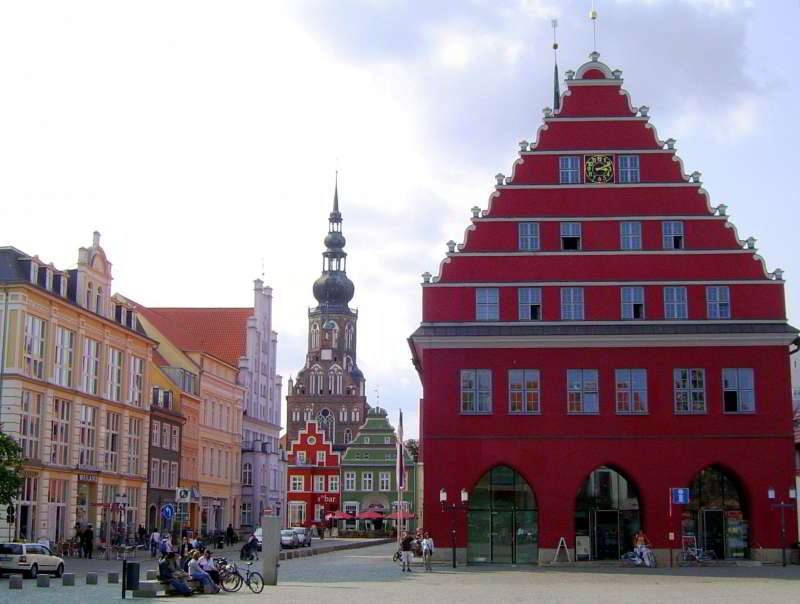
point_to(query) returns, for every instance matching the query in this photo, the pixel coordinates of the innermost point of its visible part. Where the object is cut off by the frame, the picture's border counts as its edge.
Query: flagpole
(398, 478)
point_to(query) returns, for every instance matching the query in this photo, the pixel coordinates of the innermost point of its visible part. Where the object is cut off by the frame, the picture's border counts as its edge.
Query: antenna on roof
(556, 91)
(593, 17)
(262, 267)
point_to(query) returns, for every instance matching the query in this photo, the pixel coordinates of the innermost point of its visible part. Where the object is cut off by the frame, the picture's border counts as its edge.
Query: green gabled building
(369, 481)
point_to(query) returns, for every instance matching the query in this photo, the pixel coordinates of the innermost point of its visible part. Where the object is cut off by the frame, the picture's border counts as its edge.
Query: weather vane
(593, 17)
(556, 91)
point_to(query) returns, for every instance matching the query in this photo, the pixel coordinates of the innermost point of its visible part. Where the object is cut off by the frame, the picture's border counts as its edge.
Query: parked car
(289, 539)
(303, 535)
(30, 558)
(259, 533)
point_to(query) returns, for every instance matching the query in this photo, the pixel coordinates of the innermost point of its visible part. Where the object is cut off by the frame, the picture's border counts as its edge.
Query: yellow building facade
(74, 385)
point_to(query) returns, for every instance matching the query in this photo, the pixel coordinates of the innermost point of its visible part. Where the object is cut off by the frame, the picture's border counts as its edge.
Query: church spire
(556, 90)
(333, 288)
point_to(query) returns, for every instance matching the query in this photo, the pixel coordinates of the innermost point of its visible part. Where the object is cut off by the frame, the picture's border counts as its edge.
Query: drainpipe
(3, 353)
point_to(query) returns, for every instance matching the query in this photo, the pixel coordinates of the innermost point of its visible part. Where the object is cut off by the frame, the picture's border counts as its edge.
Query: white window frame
(569, 169)
(155, 472)
(718, 302)
(175, 438)
(349, 481)
(60, 432)
(164, 474)
(670, 229)
(319, 484)
(528, 297)
(385, 481)
(333, 484)
(630, 389)
(572, 304)
(583, 392)
(134, 444)
(87, 432)
(155, 432)
(630, 235)
(90, 367)
(689, 397)
(366, 481)
(630, 298)
(628, 168)
(247, 474)
(476, 391)
(740, 382)
(136, 381)
(297, 483)
(676, 304)
(65, 357)
(30, 427)
(246, 516)
(524, 392)
(487, 304)
(321, 458)
(34, 351)
(571, 230)
(528, 236)
(114, 374)
(113, 441)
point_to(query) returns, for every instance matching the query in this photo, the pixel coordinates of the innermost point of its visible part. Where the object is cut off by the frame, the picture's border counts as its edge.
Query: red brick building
(313, 477)
(601, 336)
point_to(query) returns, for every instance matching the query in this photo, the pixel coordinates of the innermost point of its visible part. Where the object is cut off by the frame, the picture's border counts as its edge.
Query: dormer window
(34, 273)
(672, 235)
(570, 235)
(48, 279)
(99, 301)
(62, 285)
(89, 293)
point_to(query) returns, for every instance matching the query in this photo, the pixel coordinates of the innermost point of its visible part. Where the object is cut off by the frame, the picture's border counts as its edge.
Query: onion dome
(333, 288)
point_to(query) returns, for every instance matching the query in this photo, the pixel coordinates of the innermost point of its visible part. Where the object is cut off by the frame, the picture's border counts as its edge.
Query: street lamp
(782, 506)
(452, 507)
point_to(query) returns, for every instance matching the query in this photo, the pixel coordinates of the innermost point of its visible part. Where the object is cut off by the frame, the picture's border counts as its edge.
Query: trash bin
(132, 575)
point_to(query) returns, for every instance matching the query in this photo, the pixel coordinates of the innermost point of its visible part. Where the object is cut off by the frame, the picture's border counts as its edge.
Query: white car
(30, 559)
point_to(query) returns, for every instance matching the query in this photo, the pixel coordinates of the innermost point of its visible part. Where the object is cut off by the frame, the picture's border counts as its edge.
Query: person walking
(229, 535)
(406, 546)
(155, 542)
(88, 542)
(427, 551)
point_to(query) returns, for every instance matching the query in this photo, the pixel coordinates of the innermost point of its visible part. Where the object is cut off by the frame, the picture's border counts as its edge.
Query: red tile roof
(221, 332)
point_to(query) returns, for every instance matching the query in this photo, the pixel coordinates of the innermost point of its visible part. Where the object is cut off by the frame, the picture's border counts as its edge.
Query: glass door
(502, 537)
(714, 532)
(527, 538)
(479, 544)
(606, 535)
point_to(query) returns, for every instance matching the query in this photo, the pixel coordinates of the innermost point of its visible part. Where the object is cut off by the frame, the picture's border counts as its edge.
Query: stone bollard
(15, 582)
(91, 578)
(151, 575)
(42, 580)
(68, 579)
(113, 577)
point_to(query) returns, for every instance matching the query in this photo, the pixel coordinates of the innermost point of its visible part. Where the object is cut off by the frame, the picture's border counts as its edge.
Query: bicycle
(647, 559)
(697, 555)
(233, 579)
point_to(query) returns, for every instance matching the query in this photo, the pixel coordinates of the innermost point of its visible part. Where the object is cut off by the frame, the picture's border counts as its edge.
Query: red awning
(338, 515)
(370, 515)
(401, 516)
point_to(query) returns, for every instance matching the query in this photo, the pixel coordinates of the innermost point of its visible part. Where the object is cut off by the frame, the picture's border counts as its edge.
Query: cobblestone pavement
(368, 575)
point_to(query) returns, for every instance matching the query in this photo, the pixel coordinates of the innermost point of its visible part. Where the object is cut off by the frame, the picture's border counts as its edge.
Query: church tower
(330, 389)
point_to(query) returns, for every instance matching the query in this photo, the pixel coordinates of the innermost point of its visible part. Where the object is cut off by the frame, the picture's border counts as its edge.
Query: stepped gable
(597, 117)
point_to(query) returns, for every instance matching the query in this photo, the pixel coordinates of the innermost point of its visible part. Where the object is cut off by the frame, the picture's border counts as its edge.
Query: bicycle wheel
(232, 582)
(256, 583)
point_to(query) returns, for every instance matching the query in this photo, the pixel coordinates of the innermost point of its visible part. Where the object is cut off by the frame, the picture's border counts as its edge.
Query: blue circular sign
(167, 511)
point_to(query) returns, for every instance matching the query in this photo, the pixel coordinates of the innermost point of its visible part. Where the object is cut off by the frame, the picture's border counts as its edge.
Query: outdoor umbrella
(370, 515)
(338, 515)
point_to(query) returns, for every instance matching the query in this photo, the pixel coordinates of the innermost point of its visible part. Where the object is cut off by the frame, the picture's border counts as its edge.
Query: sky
(202, 138)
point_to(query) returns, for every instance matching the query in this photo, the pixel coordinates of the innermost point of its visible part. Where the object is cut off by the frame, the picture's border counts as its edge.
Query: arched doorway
(606, 515)
(715, 516)
(502, 520)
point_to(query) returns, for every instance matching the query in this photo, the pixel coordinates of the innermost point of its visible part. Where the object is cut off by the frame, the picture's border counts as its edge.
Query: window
(173, 475)
(523, 391)
(675, 306)
(569, 169)
(628, 168)
(348, 336)
(632, 303)
(155, 472)
(164, 474)
(570, 235)
(112, 441)
(631, 390)
(690, 391)
(718, 302)
(65, 357)
(356, 415)
(384, 481)
(34, 346)
(530, 303)
(319, 484)
(136, 381)
(155, 428)
(572, 304)
(366, 440)
(672, 235)
(630, 235)
(366, 481)
(314, 335)
(476, 391)
(60, 432)
(321, 458)
(348, 436)
(349, 481)
(335, 380)
(737, 386)
(175, 438)
(247, 514)
(90, 368)
(297, 513)
(301, 457)
(486, 304)
(114, 381)
(134, 444)
(30, 424)
(582, 391)
(247, 474)
(333, 484)
(528, 236)
(88, 436)
(165, 433)
(99, 301)
(315, 380)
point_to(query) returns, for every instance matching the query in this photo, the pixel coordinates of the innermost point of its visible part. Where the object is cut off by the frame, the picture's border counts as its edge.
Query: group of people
(195, 564)
(420, 543)
(85, 540)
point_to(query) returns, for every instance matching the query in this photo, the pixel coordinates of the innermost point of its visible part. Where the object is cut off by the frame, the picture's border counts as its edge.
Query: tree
(412, 446)
(10, 464)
